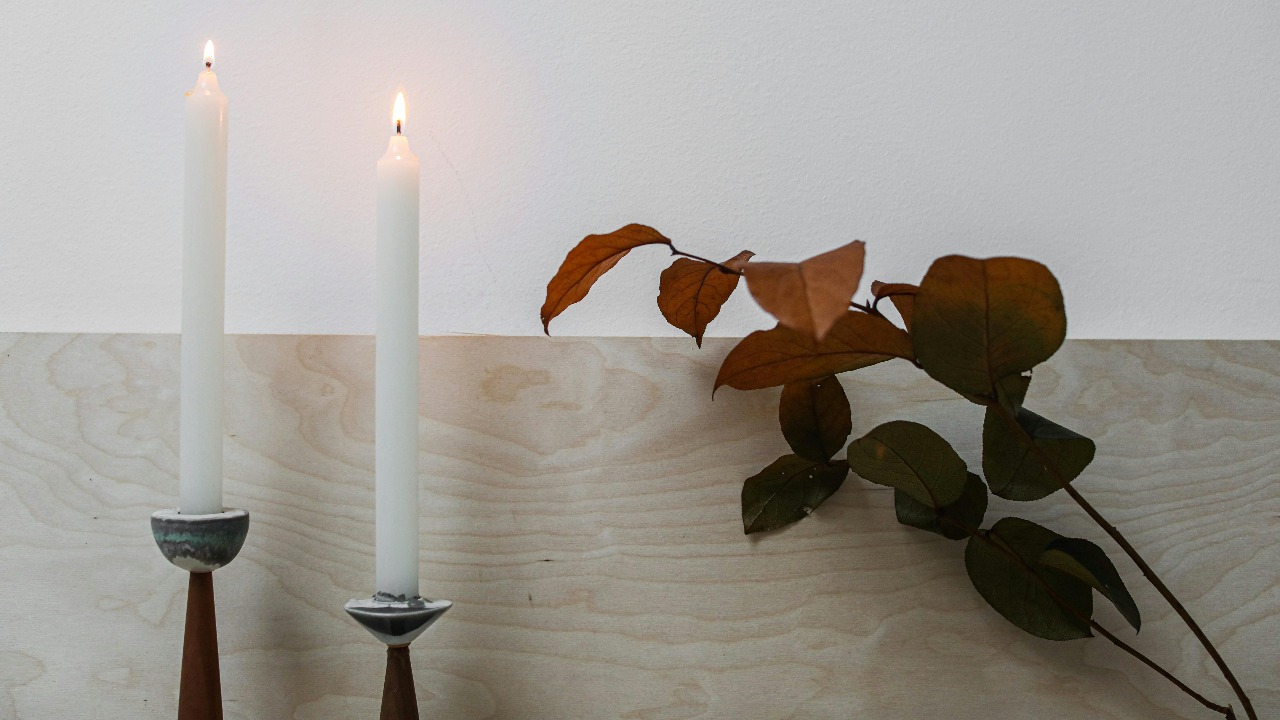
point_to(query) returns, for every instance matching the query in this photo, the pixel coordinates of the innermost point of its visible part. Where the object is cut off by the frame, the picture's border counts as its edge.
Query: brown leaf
(902, 295)
(691, 292)
(590, 259)
(809, 296)
(979, 321)
(884, 289)
(815, 419)
(766, 358)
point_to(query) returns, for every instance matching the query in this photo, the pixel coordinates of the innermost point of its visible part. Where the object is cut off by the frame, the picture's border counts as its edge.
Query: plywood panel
(580, 506)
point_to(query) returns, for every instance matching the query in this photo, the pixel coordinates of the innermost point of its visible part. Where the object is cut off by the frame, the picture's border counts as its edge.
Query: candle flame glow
(208, 54)
(397, 114)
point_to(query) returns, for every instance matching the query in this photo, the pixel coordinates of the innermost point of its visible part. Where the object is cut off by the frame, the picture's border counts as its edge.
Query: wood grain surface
(580, 507)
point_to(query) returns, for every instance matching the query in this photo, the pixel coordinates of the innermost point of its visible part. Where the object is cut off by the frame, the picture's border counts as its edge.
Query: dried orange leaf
(691, 292)
(902, 295)
(766, 358)
(809, 296)
(884, 289)
(590, 259)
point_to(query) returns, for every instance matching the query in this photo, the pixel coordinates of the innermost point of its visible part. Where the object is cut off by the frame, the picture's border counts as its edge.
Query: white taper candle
(204, 246)
(396, 393)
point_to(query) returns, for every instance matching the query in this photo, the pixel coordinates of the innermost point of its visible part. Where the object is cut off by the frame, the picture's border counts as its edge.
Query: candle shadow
(300, 459)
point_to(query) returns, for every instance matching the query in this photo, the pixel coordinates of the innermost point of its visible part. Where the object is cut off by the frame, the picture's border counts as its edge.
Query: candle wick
(397, 127)
(208, 64)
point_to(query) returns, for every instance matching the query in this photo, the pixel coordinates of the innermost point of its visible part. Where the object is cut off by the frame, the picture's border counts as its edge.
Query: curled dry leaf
(590, 259)
(809, 296)
(976, 322)
(902, 295)
(884, 289)
(778, 356)
(691, 292)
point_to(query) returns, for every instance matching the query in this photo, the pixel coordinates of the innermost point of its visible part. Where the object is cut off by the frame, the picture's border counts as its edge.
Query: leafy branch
(985, 537)
(976, 326)
(1052, 468)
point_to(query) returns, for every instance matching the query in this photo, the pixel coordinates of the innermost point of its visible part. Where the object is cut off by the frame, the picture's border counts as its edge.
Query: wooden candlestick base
(200, 544)
(200, 691)
(395, 622)
(399, 698)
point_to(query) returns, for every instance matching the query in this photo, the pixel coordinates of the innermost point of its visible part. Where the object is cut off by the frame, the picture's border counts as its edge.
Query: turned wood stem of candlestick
(200, 694)
(399, 699)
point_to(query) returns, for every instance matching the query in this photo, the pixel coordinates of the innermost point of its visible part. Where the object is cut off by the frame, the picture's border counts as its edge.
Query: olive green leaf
(815, 419)
(1003, 567)
(975, 322)
(910, 457)
(787, 491)
(1088, 562)
(1011, 391)
(1013, 471)
(950, 521)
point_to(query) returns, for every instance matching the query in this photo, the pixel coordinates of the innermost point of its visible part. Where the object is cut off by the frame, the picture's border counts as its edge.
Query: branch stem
(1049, 466)
(723, 268)
(867, 308)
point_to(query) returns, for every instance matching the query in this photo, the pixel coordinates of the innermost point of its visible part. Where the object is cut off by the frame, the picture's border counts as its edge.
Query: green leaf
(975, 322)
(1089, 563)
(910, 457)
(951, 520)
(1004, 570)
(815, 419)
(1013, 471)
(1011, 391)
(787, 491)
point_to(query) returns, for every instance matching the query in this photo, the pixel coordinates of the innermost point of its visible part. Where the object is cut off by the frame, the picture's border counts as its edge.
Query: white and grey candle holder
(200, 544)
(396, 621)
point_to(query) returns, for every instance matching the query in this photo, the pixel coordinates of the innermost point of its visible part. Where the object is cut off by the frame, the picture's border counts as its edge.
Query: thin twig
(869, 309)
(723, 268)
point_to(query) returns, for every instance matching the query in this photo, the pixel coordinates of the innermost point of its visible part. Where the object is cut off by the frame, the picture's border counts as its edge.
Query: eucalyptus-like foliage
(978, 327)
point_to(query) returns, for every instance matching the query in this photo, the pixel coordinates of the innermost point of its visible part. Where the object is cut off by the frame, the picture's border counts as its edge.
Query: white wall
(1132, 146)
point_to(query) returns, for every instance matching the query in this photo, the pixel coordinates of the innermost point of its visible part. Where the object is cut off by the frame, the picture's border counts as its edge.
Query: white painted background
(1132, 146)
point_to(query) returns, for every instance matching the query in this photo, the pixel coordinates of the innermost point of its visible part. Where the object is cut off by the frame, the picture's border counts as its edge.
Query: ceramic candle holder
(200, 544)
(396, 622)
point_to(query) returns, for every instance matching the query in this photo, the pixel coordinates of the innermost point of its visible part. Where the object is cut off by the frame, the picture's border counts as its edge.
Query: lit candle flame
(208, 54)
(397, 115)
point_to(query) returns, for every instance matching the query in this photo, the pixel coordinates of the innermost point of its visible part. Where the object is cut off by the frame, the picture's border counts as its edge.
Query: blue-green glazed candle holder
(200, 543)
